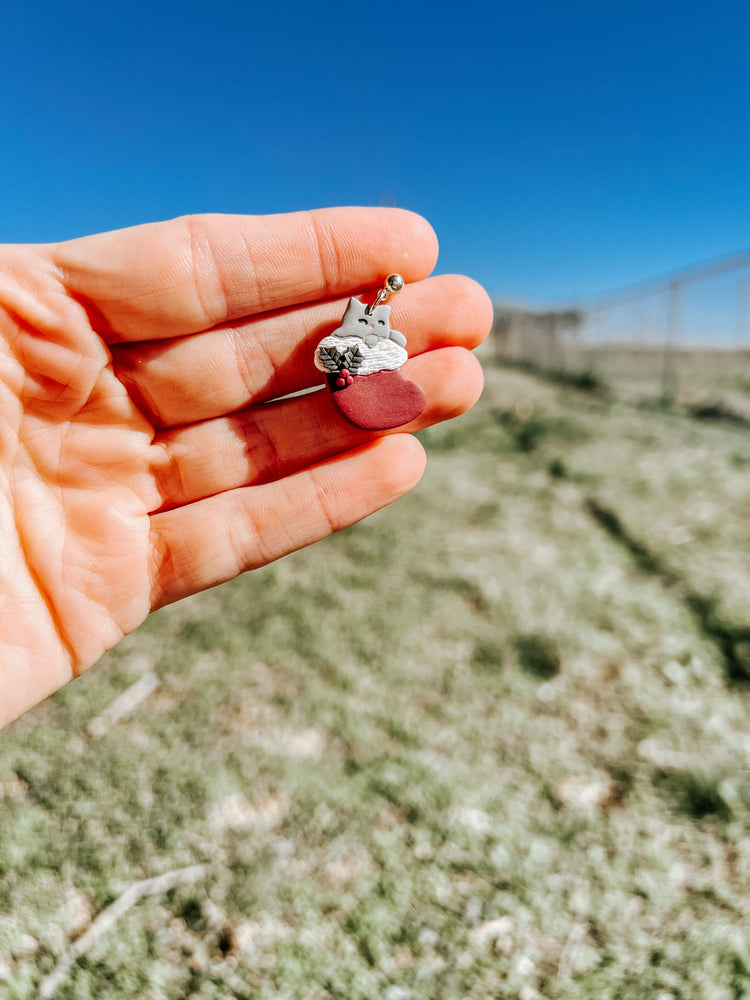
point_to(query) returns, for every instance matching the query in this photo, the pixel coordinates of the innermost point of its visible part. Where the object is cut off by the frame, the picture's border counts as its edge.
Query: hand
(145, 452)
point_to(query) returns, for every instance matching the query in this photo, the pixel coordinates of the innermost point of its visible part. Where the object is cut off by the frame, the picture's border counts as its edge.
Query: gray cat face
(356, 322)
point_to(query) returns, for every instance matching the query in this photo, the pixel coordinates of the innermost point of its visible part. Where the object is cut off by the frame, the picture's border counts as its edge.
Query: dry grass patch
(479, 745)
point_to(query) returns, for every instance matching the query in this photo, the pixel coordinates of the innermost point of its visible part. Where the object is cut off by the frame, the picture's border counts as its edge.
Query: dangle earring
(361, 360)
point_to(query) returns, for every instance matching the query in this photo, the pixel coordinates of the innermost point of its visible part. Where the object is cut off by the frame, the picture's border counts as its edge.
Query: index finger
(169, 279)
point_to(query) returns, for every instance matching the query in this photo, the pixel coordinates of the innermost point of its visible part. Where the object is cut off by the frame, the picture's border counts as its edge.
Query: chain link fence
(683, 337)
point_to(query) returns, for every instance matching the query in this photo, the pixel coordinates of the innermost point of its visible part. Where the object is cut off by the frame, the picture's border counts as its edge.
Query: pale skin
(145, 453)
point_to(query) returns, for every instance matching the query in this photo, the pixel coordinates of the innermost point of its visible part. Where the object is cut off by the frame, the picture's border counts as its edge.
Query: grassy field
(491, 743)
(705, 380)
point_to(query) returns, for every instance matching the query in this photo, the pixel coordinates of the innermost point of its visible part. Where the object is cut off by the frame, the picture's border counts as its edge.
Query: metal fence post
(743, 309)
(669, 380)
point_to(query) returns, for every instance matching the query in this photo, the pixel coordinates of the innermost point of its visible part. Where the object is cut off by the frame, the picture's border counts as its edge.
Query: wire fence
(684, 336)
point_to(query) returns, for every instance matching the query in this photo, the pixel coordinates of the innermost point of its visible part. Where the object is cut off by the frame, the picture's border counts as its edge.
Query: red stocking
(378, 401)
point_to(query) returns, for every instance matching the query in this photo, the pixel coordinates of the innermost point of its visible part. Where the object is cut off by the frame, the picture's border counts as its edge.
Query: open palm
(146, 451)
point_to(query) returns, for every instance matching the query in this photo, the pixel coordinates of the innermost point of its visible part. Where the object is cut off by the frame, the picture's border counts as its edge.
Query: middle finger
(228, 368)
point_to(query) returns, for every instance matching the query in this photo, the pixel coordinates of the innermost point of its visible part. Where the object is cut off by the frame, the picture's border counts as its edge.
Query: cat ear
(356, 308)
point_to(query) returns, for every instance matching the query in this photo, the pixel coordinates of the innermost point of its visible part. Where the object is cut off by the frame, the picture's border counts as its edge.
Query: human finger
(169, 279)
(267, 442)
(226, 369)
(211, 541)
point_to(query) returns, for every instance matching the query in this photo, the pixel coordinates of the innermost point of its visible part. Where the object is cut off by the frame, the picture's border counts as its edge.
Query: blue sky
(559, 150)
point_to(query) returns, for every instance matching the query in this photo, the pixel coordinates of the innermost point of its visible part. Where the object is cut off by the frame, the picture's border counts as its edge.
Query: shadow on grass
(732, 641)
(693, 794)
(537, 655)
(718, 413)
(528, 432)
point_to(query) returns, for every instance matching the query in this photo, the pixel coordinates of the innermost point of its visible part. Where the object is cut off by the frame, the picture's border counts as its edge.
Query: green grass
(484, 745)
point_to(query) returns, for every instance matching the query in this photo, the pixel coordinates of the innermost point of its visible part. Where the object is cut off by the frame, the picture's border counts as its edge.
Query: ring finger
(267, 442)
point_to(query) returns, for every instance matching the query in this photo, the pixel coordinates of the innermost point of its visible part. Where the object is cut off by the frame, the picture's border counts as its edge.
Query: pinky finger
(208, 542)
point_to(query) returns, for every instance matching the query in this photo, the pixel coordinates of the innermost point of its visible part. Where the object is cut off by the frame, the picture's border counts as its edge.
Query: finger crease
(248, 372)
(325, 251)
(264, 460)
(324, 503)
(206, 274)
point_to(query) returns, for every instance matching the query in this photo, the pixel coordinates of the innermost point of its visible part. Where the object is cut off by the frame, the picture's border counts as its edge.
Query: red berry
(341, 382)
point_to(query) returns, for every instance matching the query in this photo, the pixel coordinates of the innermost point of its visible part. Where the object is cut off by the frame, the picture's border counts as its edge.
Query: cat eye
(362, 321)
(381, 322)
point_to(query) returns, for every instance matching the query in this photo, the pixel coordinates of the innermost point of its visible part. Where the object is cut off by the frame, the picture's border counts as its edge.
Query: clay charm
(361, 360)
